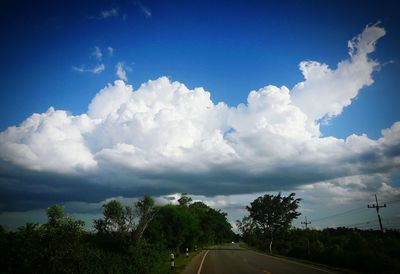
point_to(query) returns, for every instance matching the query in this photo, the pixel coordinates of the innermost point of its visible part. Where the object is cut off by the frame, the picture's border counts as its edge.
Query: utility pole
(377, 207)
(306, 223)
(308, 241)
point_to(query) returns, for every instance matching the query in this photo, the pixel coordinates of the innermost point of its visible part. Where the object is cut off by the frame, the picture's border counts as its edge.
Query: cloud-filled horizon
(165, 138)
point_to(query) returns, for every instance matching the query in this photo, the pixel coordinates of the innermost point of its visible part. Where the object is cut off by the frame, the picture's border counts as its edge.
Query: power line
(388, 221)
(351, 210)
(392, 201)
(339, 214)
(392, 217)
(357, 224)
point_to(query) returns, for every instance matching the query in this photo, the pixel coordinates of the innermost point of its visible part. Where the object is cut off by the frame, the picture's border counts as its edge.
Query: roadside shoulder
(300, 261)
(193, 265)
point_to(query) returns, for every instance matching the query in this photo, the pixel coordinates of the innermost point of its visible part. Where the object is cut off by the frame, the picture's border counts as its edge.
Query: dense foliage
(135, 239)
(271, 216)
(366, 251)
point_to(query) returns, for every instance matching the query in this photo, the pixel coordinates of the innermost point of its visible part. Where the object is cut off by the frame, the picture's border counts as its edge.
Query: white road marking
(202, 261)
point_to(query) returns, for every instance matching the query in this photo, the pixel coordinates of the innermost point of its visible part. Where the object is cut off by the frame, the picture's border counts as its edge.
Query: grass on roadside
(246, 246)
(180, 262)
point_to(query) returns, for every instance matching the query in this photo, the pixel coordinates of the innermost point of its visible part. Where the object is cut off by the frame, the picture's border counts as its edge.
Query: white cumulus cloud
(97, 53)
(110, 51)
(325, 91)
(49, 141)
(109, 13)
(95, 70)
(168, 138)
(120, 71)
(145, 10)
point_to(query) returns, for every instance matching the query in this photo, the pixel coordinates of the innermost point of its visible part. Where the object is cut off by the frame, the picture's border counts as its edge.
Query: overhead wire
(338, 214)
(351, 211)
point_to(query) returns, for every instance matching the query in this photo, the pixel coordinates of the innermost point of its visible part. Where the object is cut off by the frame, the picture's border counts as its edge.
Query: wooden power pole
(306, 223)
(377, 207)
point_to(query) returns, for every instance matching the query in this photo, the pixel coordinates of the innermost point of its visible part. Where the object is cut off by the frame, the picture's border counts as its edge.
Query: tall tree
(59, 221)
(145, 212)
(61, 239)
(274, 214)
(214, 226)
(117, 218)
(174, 226)
(247, 228)
(185, 199)
(126, 223)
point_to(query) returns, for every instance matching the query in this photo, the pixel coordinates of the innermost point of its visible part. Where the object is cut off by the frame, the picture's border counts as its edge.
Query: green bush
(360, 250)
(128, 239)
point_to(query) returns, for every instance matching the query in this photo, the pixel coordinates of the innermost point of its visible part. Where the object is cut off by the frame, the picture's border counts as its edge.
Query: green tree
(214, 227)
(181, 226)
(117, 219)
(174, 226)
(62, 237)
(273, 214)
(145, 212)
(127, 223)
(58, 221)
(184, 200)
(247, 229)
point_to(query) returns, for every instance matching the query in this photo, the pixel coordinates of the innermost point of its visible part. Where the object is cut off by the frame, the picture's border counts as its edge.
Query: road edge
(193, 265)
(311, 264)
(202, 261)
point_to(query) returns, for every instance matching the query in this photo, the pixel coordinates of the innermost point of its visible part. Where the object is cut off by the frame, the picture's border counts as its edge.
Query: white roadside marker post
(172, 261)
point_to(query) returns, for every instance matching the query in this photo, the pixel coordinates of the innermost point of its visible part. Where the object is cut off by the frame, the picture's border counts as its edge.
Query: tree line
(139, 238)
(127, 239)
(267, 227)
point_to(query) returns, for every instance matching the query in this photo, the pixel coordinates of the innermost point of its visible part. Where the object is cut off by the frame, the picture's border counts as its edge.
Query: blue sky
(227, 47)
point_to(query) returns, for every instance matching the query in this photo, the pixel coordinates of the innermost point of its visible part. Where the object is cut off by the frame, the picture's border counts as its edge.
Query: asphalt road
(231, 259)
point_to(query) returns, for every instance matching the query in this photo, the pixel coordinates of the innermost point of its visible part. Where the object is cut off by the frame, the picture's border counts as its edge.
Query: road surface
(232, 259)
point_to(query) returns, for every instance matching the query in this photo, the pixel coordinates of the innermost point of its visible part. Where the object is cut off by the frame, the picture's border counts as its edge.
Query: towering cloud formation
(167, 136)
(334, 89)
